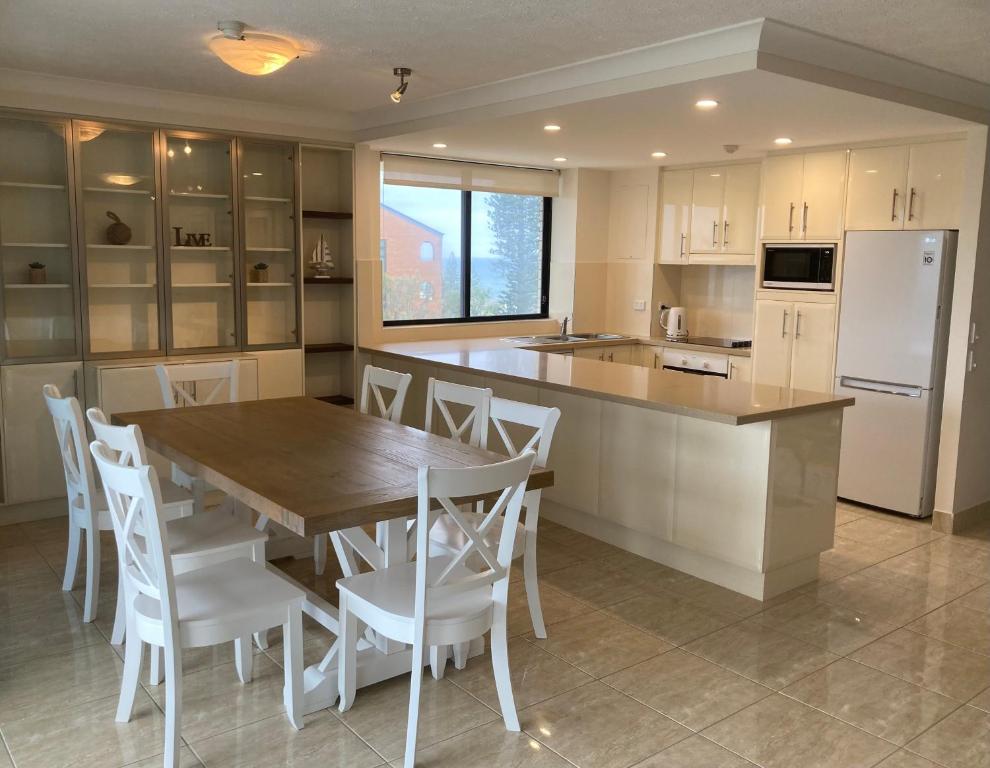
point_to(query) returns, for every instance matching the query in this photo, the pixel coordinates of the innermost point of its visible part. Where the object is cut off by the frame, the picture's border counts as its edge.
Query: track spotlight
(402, 73)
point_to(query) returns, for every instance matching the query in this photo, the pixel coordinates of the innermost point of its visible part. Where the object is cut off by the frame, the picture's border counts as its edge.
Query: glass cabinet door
(37, 269)
(199, 224)
(119, 229)
(270, 260)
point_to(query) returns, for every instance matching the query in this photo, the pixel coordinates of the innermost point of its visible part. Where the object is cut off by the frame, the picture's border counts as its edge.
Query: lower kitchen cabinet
(32, 460)
(615, 353)
(793, 344)
(740, 368)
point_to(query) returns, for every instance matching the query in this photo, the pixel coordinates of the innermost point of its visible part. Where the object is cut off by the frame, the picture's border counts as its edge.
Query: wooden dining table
(314, 468)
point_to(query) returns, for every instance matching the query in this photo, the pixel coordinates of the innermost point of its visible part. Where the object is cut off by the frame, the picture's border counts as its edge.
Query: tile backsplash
(719, 300)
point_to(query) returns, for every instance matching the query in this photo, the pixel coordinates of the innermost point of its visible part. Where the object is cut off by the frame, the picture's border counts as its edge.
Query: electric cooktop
(712, 341)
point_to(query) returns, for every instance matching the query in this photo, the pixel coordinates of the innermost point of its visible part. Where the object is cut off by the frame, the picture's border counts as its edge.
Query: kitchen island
(730, 482)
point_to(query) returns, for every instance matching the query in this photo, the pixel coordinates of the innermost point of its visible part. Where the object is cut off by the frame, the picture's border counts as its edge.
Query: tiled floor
(885, 661)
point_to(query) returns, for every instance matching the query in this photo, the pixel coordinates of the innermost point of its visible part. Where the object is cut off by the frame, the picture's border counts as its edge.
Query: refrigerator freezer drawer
(884, 459)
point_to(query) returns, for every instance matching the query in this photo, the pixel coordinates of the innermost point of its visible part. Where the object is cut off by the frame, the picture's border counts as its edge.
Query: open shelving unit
(326, 181)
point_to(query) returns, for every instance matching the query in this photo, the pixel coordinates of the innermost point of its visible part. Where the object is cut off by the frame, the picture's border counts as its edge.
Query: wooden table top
(308, 465)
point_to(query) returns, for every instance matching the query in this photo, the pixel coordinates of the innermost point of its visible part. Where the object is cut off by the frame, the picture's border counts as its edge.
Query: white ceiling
(755, 107)
(450, 46)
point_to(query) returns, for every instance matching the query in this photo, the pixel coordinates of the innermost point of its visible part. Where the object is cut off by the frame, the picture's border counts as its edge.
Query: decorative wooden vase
(259, 275)
(37, 275)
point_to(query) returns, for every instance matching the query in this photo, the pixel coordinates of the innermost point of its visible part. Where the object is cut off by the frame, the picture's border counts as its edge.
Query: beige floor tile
(23, 563)
(778, 732)
(586, 547)
(955, 553)
(53, 529)
(713, 596)
(959, 741)
(887, 534)
(324, 742)
(186, 760)
(687, 688)
(214, 700)
(848, 556)
(845, 513)
(490, 746)
(695, 752)
(380, 713)
(905, 759)
(675, 619)
(918, 572)
(831, 627)
(594, 583)
(56, 627)
(873, 701)
(83, 735)
(982, 701)
(881, 599)
(928, 662)
(978, 599)
(957, 624)
(31, 597)
(556, 607)
(597, 727)
(599, 644)
(761, 654)
(536, 675)
(552, 556)
(5, 761)
(88, 674)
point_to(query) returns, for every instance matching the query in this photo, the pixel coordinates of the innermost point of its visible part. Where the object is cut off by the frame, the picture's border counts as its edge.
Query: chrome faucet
(563, 326)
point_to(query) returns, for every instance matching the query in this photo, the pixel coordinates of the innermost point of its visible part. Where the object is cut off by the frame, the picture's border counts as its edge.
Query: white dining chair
(535, 424)
(204, 607)
(375, 385)
(438, 601)
(440, 395)
(195, 541)
(88, 510)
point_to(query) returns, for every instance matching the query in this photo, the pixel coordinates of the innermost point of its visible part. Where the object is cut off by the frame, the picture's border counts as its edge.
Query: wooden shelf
(107, 247)
(268, 250)
(30, 185)
(270, 285)
(122, 285)
(204, 195)
(199, 247)
(202, 285)
(333, 215)
(12, 286)
(259, 199)
(328, 280)
(343, 400)
(34, 245)
(335, 346)
(115, 191)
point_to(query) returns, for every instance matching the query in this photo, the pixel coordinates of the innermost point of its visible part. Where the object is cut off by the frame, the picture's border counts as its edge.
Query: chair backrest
(126, 443)
(180, 383)
(376, 379)
(70, 431)
(439, 492)
(135, 503)
(507, 414)
(441, 394)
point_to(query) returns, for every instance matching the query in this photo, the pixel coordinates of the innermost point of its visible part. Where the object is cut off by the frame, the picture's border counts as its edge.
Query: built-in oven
(799, 266)
(698, 363)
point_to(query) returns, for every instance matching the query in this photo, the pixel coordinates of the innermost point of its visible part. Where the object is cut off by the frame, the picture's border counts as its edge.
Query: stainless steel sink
(564, 338)
(598, 336)
(556, 338)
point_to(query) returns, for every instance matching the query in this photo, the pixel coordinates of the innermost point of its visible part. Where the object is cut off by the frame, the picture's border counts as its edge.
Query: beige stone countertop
(703, 397)
(660, 341)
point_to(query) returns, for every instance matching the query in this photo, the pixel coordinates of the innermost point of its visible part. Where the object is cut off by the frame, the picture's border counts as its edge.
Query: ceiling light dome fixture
(253, 53)
(402, 73)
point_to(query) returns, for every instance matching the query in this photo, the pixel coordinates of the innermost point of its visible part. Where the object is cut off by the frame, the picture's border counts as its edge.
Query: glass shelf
(39, 318)
(118, 174)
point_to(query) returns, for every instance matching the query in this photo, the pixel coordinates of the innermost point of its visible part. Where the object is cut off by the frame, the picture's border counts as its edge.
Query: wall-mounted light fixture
(402, 73)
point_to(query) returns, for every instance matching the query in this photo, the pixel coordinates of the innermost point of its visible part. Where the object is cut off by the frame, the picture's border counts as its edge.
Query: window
(458, 255)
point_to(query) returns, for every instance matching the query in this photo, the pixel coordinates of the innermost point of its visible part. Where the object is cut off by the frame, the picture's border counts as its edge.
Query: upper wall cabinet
(633, 214)
(37, 263)
(804, 195)
(119, 234)
(905, 187)
(724, 214)
(675, 216)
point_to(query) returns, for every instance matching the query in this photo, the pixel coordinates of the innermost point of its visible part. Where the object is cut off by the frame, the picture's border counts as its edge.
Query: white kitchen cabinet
(804, 196)
(877, 186)
(675, 216)
(632, 231)
(589, 353)
(724, 214)
(612, 353)
(32, 460)
(934, 185)
(740, 368)
(793, 344)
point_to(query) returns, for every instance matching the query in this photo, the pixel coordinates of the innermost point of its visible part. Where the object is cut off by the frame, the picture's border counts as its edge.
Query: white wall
(719, 300)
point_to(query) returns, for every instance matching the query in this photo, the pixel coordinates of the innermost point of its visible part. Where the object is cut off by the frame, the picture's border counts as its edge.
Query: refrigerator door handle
(884, 387)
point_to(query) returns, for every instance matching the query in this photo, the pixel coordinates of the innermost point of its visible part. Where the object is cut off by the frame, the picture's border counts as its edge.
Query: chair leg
(155, 672)
(438, 660)
(243, 658)
(92, 574)
(258, 555)
(133, 651)
(500, 665)
(415, 683)
(71, 558)
(293, 662)
(461, 654)
(120, 615)
(173, 705)
(533, 586)
(320, 553)
(346, 656)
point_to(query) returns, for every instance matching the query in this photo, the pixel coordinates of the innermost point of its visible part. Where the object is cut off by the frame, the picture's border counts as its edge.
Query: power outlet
(639, 305)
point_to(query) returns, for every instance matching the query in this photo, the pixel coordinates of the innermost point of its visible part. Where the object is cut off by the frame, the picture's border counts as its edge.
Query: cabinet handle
(683, 244)
(725, 233)
(790, 220)
(714, 234)
(611, 357)
(783, 325)
(75, 382)
(732, 367)
(893, 206)
(797, 325)
(911, 204)
(804, 220)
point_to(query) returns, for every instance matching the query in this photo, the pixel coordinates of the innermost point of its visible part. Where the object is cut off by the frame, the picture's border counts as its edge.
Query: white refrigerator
(893, 333)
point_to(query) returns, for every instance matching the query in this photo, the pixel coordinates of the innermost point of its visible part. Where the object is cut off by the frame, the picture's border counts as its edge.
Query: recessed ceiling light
(658, 154)
(551, 128)
(560, 159)
(783, 141)
(439, 145)
(706, 103)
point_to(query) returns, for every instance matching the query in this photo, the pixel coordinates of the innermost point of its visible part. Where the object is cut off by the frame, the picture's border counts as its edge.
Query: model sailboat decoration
(321, 260)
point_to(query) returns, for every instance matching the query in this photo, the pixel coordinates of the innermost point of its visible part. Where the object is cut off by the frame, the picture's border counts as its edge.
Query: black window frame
(465, 316)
